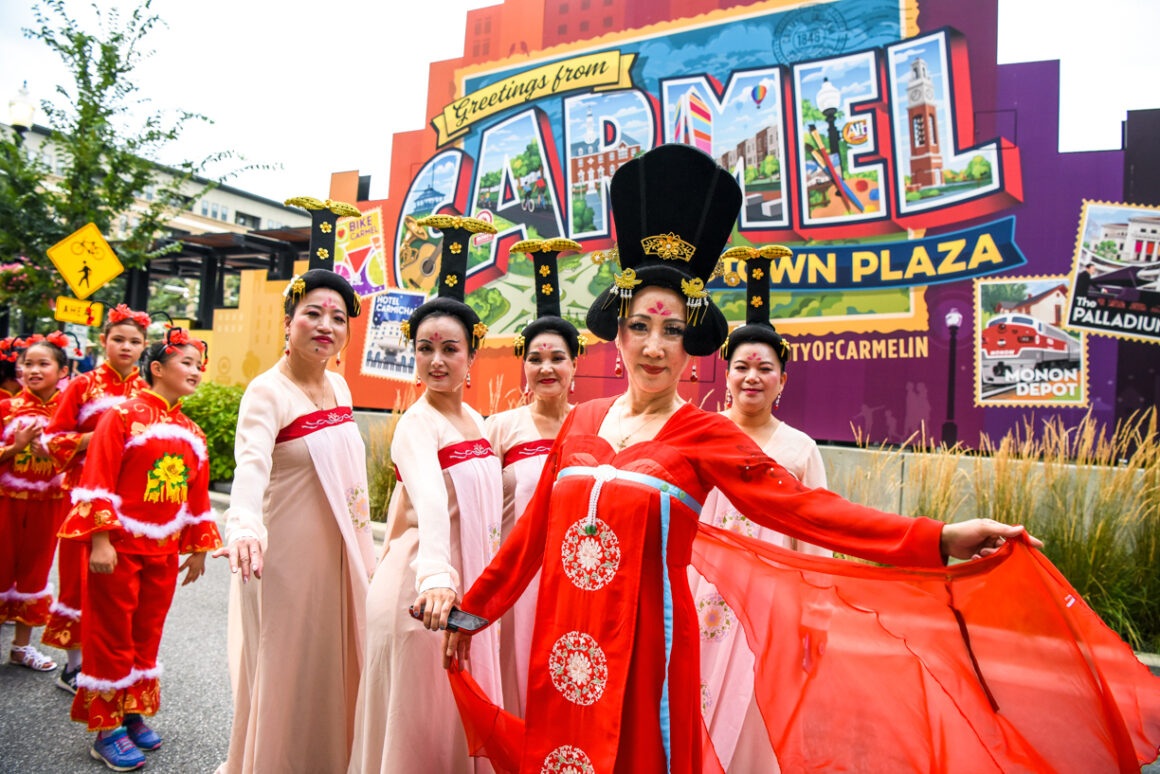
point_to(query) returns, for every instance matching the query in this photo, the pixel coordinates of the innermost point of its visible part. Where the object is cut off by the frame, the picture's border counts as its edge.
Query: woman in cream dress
(522, 438)
(443, 527)
(298, 540)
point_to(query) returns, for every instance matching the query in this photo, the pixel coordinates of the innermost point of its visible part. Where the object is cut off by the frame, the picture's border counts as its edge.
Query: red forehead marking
(660, 309)
(754, 356)
(544, 346)
(328, 304)
(435, 336)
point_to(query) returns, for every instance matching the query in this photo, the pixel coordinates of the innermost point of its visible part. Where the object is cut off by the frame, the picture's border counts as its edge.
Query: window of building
(478, 26)
(607, 2)
(149, 193)
(487, 25)
(225, 213)
(562, 29)
(584, 26)
(213, 210)
(919, 126)
(475, 48)
(246, 220)
(205, 208)
(933, 131)
(584, 4)
(486, 47)
(563, 8)
(622, 152)
(607, 21)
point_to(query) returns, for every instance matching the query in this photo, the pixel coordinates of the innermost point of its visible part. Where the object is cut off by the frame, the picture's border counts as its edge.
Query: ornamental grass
(1091, 495)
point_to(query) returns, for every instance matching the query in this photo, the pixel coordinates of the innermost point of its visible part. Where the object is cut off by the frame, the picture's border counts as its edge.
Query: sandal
(28, 656)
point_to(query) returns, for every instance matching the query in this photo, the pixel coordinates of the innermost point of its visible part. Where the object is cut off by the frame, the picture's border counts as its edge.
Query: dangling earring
(572, 386)
(418, 381)
(693, 377)
(776, 401)
(728, 398)
(286, 349)
(469, 380)
(618, 370)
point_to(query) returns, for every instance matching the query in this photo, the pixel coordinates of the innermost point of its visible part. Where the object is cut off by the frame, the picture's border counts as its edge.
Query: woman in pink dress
(522, 438)
(443, 527)
(757, 357)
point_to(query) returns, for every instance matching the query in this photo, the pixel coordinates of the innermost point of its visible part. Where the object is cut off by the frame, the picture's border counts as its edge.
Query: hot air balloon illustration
(757, 93)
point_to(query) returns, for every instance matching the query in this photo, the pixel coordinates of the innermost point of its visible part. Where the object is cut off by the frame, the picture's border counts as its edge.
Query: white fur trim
(80, 495)
(12, 595)
(65, 611)
(21, 422)
(173, 432)
(182, 519)
(10, 481)
(98, 406)
(104, 686)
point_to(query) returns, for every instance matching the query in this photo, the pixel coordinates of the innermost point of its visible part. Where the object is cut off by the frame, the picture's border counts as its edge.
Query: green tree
(978, 168)
(770, 166)
(106, 151)
(995, 292)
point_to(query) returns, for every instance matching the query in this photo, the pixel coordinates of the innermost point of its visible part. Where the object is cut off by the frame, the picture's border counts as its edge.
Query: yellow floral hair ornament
(405, 329)
(477, 334)
(295, 290)
(583, 340)
(668, 247)
(519, 344)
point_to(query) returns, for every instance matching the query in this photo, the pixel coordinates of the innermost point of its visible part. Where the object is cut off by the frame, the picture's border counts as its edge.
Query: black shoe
(67, 679)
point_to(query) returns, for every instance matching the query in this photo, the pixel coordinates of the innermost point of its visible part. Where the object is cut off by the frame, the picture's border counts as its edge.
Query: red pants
(27, 543)
(64, 622)
(124, 613)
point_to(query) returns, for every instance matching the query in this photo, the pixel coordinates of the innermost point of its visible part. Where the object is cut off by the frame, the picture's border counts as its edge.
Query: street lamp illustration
(21, 111)
(950, 431)
(829, 98)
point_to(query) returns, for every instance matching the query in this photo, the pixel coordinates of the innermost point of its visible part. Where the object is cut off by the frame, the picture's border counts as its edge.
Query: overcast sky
(320, 88)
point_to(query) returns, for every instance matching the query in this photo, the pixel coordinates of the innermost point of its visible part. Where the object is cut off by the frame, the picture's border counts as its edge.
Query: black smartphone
(458, 621)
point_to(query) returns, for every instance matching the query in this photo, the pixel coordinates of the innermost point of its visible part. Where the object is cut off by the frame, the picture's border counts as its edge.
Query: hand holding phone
(458, 621)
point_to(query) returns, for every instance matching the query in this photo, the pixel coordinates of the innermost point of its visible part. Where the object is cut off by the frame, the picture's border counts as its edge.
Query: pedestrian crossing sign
(85, 260)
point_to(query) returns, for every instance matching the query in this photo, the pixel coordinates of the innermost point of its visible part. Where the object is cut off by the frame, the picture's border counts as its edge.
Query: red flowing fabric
(992, 665)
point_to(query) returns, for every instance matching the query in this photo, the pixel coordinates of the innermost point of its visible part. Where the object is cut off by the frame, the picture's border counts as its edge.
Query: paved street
(37, 737)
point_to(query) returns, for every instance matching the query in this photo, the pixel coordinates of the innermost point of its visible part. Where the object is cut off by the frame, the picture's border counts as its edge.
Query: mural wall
(933, 222)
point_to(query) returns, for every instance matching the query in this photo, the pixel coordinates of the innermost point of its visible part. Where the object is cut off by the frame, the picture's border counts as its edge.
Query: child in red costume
(9, 384)
(67, 438)
(31, 498)
(143, 499)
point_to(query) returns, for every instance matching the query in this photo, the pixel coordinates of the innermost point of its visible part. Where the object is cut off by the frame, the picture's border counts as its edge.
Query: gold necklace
(623, 442)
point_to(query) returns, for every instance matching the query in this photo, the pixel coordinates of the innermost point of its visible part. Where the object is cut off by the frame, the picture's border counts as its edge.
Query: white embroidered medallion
(578, 668)
(716, 618)
(590, 554)
(567, 759)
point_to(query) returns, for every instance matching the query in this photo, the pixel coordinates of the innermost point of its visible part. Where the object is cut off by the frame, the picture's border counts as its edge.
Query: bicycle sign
(85, 260)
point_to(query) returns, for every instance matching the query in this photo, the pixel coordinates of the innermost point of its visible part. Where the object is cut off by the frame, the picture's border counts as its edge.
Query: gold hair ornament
(558, 244)
(519, 344)
(582, 340)
(697, 296)
(625, 283)
(668, 247)
(295, 290)
(600, 256)
(405, 329)
(477, 334)
(341, 209)
(443, 222)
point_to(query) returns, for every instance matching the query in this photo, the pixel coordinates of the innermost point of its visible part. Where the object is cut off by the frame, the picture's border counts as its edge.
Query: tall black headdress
(674, 210)
(457, 233)
(323, 216)
(757, 326)
(546, 287)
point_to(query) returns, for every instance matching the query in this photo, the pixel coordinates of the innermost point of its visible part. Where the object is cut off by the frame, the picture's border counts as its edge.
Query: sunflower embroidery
(168, 480)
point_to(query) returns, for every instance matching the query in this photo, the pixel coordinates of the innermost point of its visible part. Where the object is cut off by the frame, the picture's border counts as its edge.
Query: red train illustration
(1014, 342)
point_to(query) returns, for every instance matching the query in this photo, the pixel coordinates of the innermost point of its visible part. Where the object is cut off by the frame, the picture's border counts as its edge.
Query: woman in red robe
(613, 680)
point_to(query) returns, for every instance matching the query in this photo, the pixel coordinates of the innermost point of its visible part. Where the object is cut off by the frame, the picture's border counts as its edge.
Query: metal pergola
(210, 257)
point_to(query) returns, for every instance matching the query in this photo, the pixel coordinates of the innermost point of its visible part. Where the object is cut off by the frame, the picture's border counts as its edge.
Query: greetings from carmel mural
(865, 134)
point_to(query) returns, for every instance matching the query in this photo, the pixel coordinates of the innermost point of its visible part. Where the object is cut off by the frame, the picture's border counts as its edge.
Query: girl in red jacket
(67, 437)
(31, 498)
(142, 500)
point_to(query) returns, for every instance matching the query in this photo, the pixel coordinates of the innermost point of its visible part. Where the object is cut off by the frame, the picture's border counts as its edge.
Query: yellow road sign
(74, 310)
(85, 260)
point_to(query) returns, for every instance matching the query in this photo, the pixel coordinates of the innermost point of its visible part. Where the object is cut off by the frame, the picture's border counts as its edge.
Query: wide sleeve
(95, 501)
(767, 493)
(415, 452)
(60, 435)
(522, 554)
(200, 532)
(814, 477)
(259, 420)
